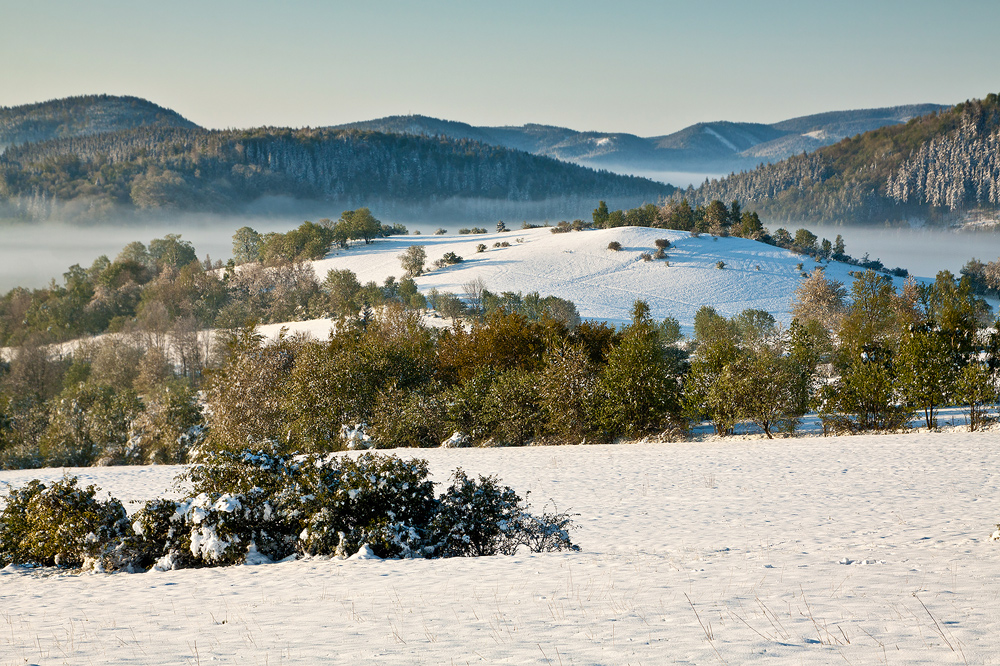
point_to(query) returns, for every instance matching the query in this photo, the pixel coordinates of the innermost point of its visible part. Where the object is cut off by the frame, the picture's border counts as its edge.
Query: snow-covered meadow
(864, 550)
(603, 284)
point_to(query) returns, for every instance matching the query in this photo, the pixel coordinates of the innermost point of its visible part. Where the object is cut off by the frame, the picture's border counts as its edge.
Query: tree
(342, 287)
(929, 368)
(413, 260)
(361, 224)
(600, 215)
(977, 388)
(818, 299)
(246, 245)
(805, 241)
(716, 219)
(172, 251)
(638, 387)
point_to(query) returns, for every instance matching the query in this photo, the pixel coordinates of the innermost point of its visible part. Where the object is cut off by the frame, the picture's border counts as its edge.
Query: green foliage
(413, 260)
(976, 387)
(929, 368)
(639, 386)
(60, 525)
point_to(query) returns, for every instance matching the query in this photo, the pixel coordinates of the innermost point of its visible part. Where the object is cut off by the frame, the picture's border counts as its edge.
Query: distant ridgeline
(936, 167)
(162, 167)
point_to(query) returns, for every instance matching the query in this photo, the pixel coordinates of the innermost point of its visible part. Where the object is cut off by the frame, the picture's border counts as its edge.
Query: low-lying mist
(33, 253)
(923, 251)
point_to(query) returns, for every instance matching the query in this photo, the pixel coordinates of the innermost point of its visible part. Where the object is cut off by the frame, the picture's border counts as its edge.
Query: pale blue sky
(644, 67)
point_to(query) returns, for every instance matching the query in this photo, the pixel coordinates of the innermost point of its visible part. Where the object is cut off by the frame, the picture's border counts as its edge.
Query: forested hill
(152, 168)
(935, 167)
(82, 116)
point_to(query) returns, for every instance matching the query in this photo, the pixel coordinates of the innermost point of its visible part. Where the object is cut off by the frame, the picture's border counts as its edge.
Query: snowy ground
(864, 550)
(603, 283)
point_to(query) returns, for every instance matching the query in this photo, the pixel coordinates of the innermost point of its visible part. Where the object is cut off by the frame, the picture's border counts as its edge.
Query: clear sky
(648, 68)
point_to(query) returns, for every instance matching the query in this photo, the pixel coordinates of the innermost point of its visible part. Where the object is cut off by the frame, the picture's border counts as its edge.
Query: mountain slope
(82, 116)
(933, 167)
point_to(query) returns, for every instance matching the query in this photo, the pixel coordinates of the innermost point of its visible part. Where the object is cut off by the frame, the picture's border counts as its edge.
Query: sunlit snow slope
(601, 282)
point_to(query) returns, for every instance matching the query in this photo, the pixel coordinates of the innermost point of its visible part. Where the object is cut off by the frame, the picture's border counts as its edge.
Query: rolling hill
(82, 116)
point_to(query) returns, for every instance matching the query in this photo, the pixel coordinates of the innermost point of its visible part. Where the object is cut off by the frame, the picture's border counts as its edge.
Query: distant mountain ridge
(82, 116)
(721, 147)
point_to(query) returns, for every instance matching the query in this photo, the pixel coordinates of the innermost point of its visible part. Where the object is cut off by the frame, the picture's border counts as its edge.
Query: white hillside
(603, 283)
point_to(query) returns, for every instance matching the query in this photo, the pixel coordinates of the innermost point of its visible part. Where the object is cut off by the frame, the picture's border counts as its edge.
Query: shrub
(451, 258)
(720, 265)
(646, 256)
(61, 525)
(660, 254)
(501, 227)
(478, 230)
(440, 232)
(505, 244)
(252, 504)
(481, 517)
(464, 231)
(481, 247)
(562, 228)
(661, 243)
(614, 245)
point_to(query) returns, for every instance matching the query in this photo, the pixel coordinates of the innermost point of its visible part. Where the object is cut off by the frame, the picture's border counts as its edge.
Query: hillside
(82, 116)
(169, 169)
(721, 147)
(934, 167)
(602, 283)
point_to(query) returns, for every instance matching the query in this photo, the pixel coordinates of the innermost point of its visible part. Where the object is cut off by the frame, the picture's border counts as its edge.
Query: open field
(864, 550)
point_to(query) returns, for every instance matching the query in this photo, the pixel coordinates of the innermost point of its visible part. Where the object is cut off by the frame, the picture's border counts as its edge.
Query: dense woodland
(932, 166)
(82, 116)
(515, 369)
(164, 169)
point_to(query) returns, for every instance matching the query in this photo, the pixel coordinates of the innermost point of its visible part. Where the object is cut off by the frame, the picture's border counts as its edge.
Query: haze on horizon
(648, 68)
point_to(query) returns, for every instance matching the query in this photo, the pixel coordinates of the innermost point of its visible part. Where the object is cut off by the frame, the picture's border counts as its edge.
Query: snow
(602, 283)
(864, 550)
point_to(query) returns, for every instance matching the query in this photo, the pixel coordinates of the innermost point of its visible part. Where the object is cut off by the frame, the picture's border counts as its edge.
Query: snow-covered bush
(259, 506)
(62, 525)
(356, 439)
(481, 517)
(456, 441)
(383, 501)
(614, 245)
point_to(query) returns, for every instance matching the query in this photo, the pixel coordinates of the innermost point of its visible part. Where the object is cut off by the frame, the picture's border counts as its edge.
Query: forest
(934, 167)
(153, 168)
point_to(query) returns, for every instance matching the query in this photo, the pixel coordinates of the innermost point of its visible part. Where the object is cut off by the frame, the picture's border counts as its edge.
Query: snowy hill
(603, 283)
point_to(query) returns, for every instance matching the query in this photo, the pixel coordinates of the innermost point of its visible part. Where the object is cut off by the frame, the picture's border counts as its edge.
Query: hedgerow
(263, 505)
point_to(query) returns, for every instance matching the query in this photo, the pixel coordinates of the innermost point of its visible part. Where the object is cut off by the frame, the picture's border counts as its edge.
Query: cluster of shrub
(255, 505)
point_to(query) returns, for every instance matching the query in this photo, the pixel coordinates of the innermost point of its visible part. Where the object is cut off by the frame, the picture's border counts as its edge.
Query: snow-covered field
(864, 550)
(603, 283)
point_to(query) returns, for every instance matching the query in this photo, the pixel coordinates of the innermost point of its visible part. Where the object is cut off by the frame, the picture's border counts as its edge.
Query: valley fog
(923, 251)
(33, 254)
